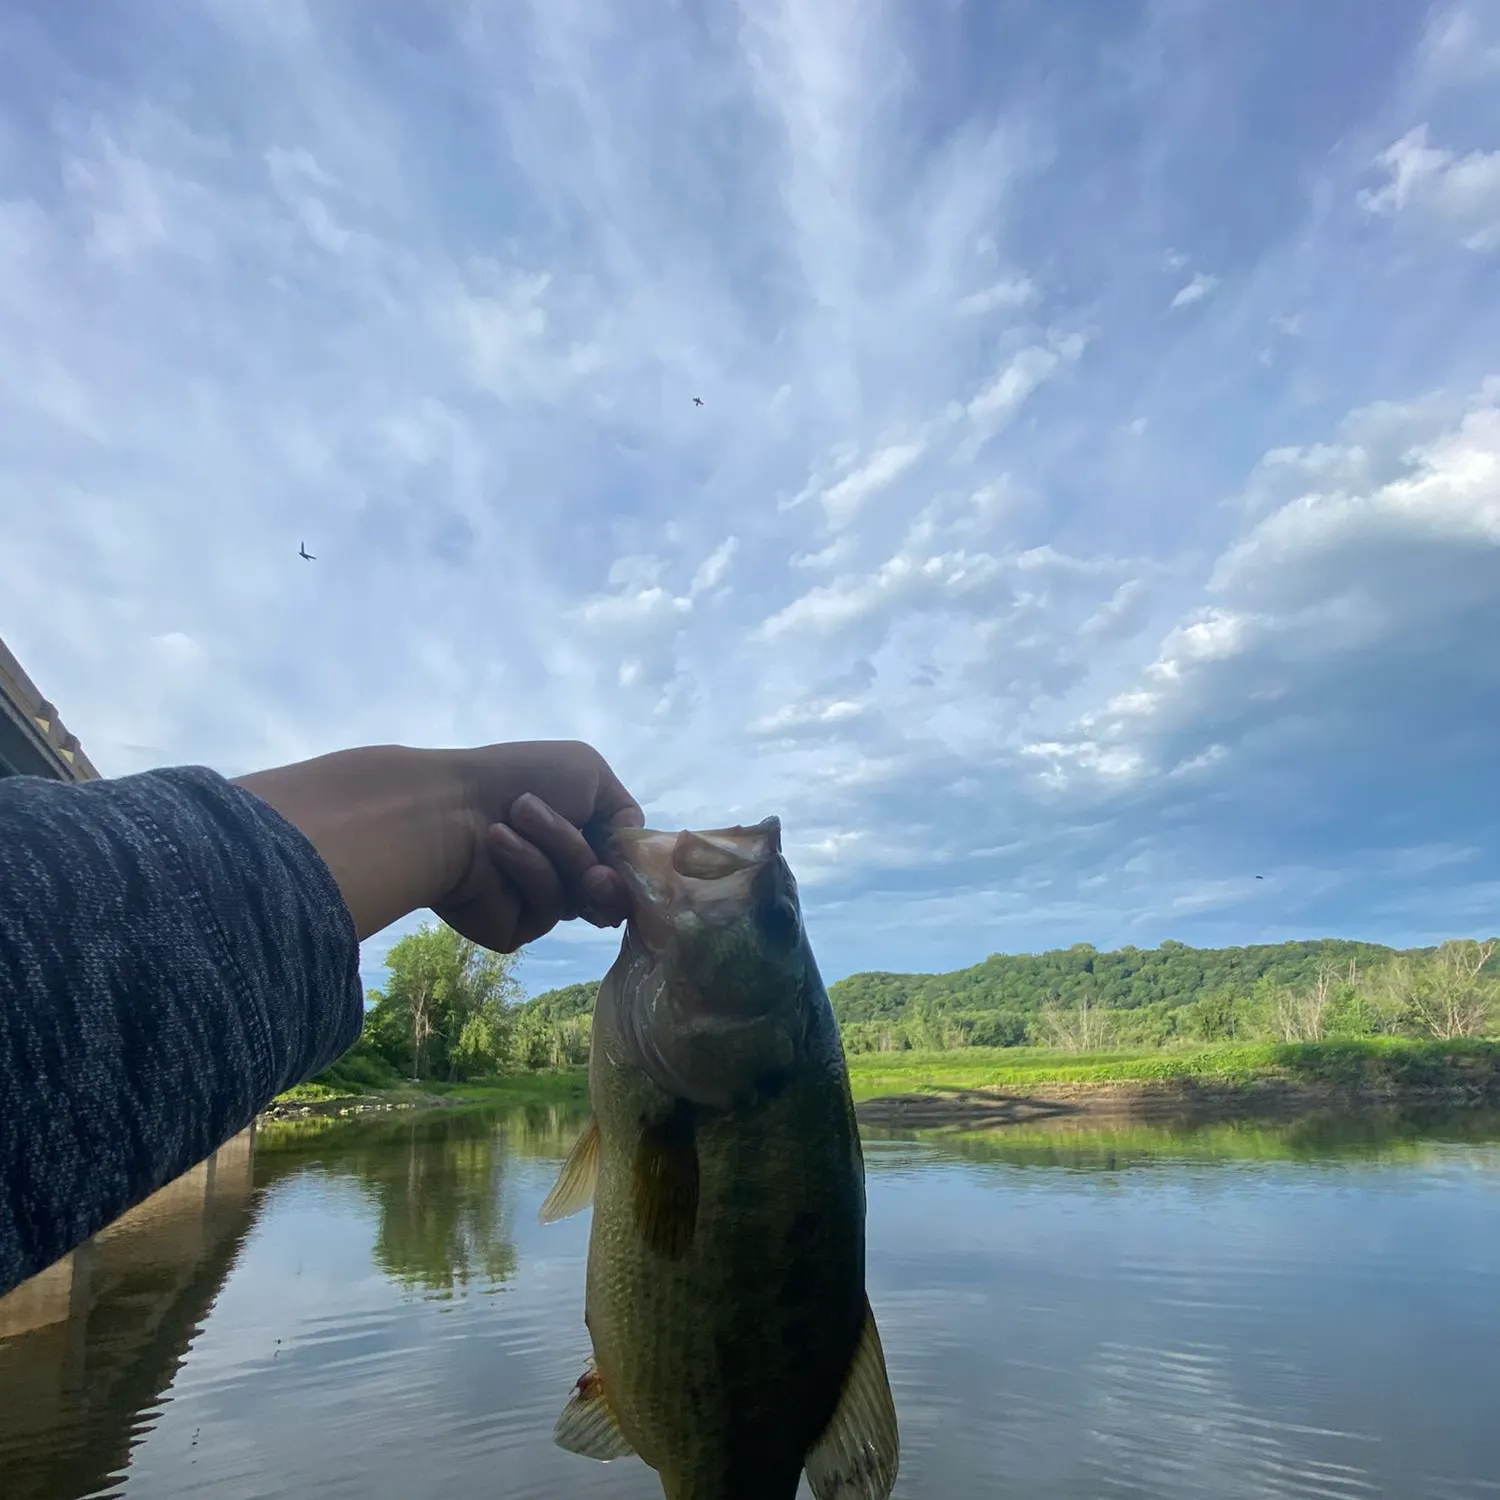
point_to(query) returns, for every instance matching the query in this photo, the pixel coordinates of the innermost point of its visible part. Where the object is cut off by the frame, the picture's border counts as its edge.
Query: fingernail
(533, 806)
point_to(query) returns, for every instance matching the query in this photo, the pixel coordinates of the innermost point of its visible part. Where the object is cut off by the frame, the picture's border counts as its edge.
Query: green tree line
(453, 1011)
(1080, 999)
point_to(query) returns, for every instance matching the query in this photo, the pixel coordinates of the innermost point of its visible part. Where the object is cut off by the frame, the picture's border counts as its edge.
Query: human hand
(531, 866)
(490, 838)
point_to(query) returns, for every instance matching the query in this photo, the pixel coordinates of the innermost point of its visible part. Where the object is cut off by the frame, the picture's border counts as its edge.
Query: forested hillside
(1125, 979)
(565, 1004)
(1080, 998)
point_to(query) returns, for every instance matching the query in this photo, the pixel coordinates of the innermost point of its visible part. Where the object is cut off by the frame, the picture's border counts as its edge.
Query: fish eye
(779, 923)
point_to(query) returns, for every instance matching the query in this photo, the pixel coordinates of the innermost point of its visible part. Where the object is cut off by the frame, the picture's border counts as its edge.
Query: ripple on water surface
(381, 1316)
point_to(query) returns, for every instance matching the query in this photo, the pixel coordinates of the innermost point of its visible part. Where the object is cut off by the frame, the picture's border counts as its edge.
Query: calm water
(375, 1312)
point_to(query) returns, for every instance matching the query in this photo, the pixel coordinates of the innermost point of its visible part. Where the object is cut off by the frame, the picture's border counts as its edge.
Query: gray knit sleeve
(173, 954)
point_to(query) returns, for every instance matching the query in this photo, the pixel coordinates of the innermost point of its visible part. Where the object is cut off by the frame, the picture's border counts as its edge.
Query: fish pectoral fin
(587, 1425)
(664, 1187)
(860, 1450)
(574, 1188)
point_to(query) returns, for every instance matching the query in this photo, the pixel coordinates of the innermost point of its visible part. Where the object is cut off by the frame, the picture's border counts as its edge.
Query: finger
(544, 901)
(533, 875)
(594, 892)
(613, 804)
(629, 816)
(554, 836)
(605, 897)
(597, 892)
(530, 928)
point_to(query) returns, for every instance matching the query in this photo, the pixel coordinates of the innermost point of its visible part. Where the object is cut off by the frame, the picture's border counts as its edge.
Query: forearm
(173, 954)
(392, 824)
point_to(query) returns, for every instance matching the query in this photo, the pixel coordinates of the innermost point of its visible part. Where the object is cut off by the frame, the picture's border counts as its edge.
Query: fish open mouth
(709, 878)
(710, 854)
(713, 872)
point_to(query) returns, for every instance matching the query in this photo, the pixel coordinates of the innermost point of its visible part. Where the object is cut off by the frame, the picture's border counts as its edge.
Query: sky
(1094, 504)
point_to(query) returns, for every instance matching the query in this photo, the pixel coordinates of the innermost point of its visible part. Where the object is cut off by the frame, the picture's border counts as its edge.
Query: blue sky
(1095, 503)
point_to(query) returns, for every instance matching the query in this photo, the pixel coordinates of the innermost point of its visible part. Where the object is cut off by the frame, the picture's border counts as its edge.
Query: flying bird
(303, 552)
(697, 400)
(1260, 877)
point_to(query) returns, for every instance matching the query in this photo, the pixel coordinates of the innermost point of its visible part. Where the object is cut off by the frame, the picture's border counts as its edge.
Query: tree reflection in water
(438, 1182)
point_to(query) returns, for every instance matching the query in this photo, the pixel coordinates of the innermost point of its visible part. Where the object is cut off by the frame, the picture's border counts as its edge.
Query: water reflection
(1069, 1311)
(437, 1188)
(88, 1347)
(436, 1182)
(1328, 1138)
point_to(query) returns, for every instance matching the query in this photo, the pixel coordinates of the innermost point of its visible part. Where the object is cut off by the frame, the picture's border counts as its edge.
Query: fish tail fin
(859, 1452)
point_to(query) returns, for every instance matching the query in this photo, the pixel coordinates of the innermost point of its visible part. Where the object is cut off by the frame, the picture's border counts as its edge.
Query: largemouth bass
(733, 1343)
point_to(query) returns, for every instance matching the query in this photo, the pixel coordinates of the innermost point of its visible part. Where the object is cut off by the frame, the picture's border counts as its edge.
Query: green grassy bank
(1384, 1068)
(524, 1086)
(1386, 1065)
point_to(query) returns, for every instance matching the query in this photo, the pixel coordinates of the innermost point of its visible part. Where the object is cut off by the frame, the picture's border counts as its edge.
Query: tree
(1449, 996)
(927, 1028)
(483, 1043)
(1302, 1015)
(448, 1000)
(1364, 1006)
(1215, 1017)
(1083, 1028)
(997, 1028)
(541, 1043)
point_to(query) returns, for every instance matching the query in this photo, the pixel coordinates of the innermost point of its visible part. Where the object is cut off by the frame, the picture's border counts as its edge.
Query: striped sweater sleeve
(173, 954)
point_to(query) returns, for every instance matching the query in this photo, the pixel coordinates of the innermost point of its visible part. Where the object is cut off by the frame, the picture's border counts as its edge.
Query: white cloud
(919, 575)
(997, 402)
(1195, 290)
(1122, 612)
(841, 501)
(1321, 591)
(1458, 196)
(1014, 292)
(714, 568)
(1448, 490)
(1461, 45)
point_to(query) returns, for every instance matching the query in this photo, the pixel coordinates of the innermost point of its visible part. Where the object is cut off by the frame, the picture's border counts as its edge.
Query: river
(1068, 1312)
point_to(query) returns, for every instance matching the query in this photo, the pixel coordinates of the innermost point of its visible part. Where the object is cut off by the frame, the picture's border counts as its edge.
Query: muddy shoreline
(1185, 1101)
(1180, 1100)
(354, 1104)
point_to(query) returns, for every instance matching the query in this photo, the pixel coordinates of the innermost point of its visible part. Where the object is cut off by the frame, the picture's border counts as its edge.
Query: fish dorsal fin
(860, 1450)
(587, 1425)
(574, 1188)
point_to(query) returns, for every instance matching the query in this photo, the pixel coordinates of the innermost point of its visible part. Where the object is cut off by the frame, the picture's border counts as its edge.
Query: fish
(733, 1343)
